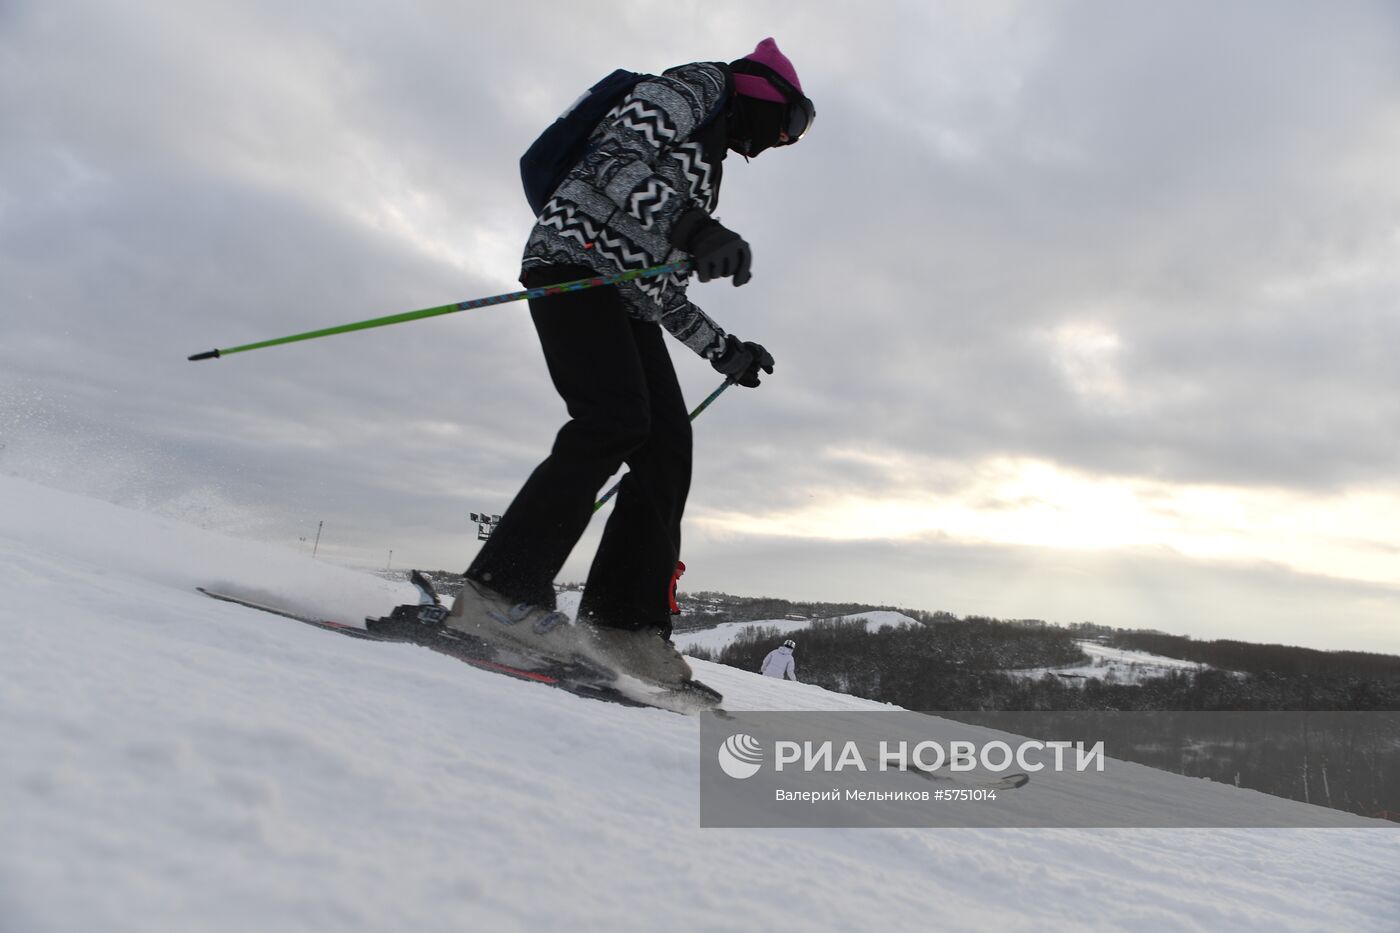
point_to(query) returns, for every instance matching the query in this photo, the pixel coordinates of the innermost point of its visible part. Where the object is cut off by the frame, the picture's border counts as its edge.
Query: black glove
(716, 250)
(741, 361)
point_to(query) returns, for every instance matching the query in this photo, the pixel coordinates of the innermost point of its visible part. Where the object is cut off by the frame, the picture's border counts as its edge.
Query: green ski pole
(693, 415)
(574, 286)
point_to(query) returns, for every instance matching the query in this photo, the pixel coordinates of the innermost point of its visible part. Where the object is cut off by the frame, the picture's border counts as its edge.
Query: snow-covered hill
(713, 639)
(173, 763)
(1119, 664)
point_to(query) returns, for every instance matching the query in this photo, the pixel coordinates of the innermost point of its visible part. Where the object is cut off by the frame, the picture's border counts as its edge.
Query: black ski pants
(625, 406)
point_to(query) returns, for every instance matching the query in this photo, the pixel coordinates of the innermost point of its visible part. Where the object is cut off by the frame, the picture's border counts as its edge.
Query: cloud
(1148, 246)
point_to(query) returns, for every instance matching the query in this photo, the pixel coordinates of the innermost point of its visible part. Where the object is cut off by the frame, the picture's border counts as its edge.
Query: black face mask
(754, 125)
(794, 114)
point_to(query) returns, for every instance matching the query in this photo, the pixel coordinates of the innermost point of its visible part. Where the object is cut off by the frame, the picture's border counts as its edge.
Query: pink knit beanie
(768, 54)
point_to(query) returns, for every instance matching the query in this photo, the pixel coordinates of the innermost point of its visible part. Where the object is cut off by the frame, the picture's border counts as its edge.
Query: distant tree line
(1197, 690)
(916, 666)
(965, 665)
(757, 608)
(1261, 659)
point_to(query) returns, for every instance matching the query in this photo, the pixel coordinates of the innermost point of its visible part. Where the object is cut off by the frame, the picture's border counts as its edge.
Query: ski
(341, 627)
(945, 776)
(416, 625)
(1005, 782)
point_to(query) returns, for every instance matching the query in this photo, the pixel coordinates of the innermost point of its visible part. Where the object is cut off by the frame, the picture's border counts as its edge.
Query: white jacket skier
(779, 662)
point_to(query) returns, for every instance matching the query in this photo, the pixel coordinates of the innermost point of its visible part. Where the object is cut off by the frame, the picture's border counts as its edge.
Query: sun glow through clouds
(1034, 503)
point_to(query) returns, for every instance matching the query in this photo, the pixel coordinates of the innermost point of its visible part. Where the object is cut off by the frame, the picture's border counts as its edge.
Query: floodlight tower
(485, 524)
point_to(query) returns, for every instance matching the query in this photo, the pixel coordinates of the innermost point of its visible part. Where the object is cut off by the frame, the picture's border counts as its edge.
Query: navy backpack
(564, 144)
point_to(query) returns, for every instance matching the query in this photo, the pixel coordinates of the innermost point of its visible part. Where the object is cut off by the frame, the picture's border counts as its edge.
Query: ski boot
(482, 613)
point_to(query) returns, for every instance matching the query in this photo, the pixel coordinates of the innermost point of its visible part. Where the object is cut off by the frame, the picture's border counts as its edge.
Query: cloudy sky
(1081, 311)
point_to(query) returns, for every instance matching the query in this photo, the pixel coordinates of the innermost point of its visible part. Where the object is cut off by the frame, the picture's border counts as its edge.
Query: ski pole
(693, 415)
(574, 286)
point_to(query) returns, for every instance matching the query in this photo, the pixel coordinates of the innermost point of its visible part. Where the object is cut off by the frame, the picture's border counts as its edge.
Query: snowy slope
(173, 763)
(1123, 665)
(713, 639)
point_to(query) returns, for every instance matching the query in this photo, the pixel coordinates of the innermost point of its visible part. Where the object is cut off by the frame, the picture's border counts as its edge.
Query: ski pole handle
(693, 415)
(682, 267)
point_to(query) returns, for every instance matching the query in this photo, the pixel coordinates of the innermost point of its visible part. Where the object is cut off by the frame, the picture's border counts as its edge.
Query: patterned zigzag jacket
(656, 155)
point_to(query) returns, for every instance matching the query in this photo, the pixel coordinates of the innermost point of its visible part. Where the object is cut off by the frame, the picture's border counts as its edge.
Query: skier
(643, 194)
(675, 580)
(779, 663)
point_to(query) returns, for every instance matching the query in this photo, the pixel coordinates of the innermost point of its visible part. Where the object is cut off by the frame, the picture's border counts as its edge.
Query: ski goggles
(798, 112)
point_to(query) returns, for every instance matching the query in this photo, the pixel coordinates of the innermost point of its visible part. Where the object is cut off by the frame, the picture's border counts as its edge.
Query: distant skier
(642, 194)
(676, 579)
(779, 662)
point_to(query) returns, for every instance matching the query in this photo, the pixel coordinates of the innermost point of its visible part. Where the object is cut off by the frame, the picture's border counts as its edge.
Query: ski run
(170, 762)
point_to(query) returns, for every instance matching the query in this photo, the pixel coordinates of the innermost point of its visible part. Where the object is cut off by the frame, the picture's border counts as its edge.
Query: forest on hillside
(1291, 722)
(1254, 658)
(966, 664)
